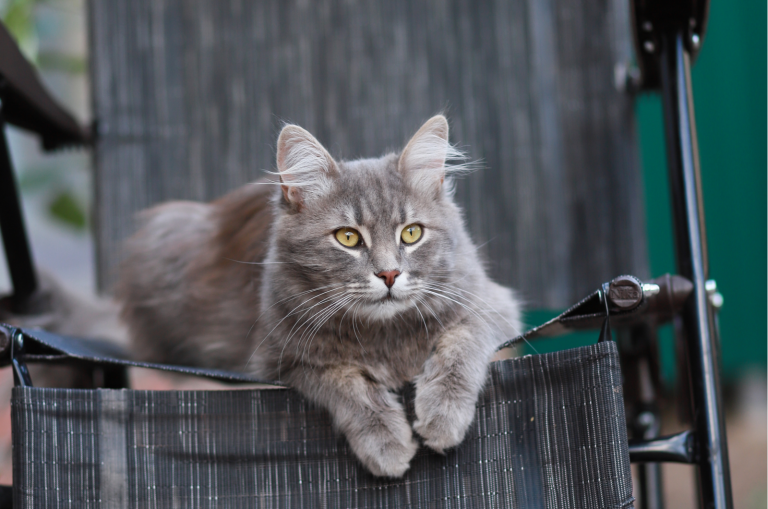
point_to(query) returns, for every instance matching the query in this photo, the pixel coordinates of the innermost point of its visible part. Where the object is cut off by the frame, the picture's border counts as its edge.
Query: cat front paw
(443, 417)
(385, 449)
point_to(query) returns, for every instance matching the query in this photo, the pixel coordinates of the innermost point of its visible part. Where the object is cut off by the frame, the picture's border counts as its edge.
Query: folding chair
(550, 430)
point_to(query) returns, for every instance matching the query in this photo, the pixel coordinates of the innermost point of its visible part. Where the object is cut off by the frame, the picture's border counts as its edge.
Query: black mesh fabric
(549, 433)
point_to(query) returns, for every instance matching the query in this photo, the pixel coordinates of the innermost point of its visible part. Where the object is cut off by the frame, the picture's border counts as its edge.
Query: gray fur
(298, 306)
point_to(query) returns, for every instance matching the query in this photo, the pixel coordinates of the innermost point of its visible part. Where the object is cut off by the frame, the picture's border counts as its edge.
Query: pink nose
(388, 276)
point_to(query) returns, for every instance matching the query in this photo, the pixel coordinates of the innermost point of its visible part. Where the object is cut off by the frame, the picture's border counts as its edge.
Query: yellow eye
(411, 233)
(348, 237)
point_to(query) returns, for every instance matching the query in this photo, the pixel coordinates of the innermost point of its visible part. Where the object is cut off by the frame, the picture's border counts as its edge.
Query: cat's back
(189, 282)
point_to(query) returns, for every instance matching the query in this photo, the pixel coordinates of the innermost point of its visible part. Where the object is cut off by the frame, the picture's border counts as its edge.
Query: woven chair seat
(549, 432)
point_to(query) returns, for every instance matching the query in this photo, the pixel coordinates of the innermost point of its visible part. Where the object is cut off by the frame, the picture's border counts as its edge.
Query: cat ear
(423, 159)
(305, 167)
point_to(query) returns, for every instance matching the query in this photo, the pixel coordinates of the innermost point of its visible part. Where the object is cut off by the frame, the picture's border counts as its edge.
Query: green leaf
(65, 208)
(18, 17)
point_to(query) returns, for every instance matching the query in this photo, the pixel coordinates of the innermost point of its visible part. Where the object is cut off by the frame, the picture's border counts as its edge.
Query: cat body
(354, 279)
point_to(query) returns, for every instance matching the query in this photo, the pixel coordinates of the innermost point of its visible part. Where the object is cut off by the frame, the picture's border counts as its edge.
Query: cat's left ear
(423, 159)
(305, 167)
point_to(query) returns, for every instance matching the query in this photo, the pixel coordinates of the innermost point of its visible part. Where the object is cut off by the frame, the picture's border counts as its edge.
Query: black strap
(35, 346)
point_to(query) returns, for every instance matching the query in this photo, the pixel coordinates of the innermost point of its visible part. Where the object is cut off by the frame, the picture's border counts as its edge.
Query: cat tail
(63, 311)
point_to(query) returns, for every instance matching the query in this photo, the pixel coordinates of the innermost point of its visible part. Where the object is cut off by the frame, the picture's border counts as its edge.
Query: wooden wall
(189, 96)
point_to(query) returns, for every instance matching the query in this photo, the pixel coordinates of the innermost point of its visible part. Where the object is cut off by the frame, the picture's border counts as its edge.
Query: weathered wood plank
(190, 95)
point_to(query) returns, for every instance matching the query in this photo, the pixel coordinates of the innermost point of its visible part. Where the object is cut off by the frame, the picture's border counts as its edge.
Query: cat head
(377, 233)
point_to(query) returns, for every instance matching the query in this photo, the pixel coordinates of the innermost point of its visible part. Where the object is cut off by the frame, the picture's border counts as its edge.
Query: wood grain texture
(190, 96)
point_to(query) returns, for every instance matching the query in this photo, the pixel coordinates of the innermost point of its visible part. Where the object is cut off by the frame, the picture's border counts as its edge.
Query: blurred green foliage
(19, 18)
(65, 207)
(62, 203)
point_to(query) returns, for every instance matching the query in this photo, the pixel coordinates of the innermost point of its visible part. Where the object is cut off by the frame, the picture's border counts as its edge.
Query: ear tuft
(304, 166)
(423, 160)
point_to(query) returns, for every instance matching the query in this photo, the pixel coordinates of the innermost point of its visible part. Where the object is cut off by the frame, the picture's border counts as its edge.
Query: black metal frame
(668, 36)
(702, 343)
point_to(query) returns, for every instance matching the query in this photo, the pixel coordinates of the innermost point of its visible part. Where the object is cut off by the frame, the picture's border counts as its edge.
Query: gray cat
(352, 280)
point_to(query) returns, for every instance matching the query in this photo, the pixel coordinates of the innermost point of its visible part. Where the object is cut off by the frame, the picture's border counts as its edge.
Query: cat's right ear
(305, 167)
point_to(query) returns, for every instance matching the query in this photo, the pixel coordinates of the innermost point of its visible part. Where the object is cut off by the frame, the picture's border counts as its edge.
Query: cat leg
(449, 385)
(371, 417)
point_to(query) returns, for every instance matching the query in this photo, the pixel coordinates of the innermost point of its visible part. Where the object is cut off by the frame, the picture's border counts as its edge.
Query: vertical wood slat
(190, 95)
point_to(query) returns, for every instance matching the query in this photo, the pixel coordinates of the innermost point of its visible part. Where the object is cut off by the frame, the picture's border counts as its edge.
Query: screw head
(649, 46)
(625, 292)
(695, 41)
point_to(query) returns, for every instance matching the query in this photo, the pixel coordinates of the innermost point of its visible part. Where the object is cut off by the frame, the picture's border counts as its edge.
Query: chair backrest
(189, 98)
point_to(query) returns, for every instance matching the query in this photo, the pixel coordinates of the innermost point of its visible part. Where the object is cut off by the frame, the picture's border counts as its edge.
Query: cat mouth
(389, 297)
(393, 299)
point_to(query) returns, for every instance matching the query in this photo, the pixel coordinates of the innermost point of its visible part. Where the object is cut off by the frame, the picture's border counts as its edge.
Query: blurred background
(729, 80)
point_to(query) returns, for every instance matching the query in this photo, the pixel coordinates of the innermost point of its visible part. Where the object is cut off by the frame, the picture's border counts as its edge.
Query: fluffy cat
(350, 280)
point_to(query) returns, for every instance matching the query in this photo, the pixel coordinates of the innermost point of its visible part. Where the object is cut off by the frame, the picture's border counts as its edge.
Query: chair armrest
(27, 104)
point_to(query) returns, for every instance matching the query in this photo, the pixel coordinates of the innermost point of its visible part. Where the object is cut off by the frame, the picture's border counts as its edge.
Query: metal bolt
(647, 26)
(695, 41)
(650, 289)
(19, 340)
(649, 46)
(716, 299)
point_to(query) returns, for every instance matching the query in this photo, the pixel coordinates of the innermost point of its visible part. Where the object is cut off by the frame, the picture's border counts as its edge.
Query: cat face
(376, 234)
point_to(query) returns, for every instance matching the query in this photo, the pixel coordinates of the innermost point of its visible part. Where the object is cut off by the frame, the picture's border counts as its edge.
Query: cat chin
(385, 309)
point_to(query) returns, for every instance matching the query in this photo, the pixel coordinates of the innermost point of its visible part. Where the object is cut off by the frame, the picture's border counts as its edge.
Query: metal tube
(677, 448)
(691, 252)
